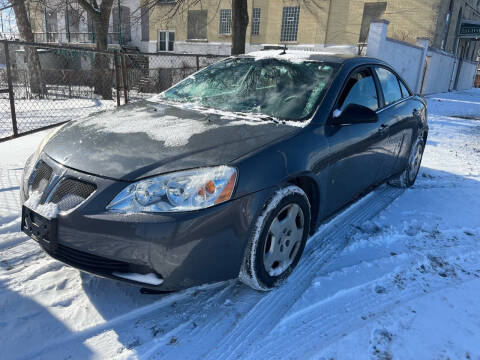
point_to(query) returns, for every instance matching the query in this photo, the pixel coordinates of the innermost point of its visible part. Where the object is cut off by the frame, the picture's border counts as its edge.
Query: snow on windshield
(281, 89)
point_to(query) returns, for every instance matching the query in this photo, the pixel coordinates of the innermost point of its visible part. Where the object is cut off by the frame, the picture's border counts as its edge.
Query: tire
(270, 258)
(408, 176)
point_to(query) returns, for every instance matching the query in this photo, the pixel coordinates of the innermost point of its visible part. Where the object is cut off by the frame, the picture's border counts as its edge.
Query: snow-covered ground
(397, 275)
(34, 114)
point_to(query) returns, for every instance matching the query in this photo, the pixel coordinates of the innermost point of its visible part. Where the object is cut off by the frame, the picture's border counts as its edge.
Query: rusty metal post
(117, 76)
(124, 77)
(10, 89)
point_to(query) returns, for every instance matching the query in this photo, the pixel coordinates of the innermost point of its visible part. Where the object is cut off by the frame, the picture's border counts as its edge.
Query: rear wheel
(409, 175)
(278, 239)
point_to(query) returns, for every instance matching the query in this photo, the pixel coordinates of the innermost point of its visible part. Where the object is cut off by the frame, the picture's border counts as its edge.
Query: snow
(34, 114)
(48, 210)
(150, 278)
(396, 275)
(295, 55)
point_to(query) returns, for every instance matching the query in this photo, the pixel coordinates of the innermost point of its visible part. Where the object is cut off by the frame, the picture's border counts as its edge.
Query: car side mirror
(354, 114)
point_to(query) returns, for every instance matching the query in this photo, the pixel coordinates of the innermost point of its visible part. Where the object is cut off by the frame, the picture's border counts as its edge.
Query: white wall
(467, 74)
(406, 59)
(411, 62)
(440, 69)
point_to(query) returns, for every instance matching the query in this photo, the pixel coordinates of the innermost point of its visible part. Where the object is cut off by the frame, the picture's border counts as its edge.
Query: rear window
(390, 86)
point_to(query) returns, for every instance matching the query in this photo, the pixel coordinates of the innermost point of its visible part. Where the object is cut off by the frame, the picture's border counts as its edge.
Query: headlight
(179, 191)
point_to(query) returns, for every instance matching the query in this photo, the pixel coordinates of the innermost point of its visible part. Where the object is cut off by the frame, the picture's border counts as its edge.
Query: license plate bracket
(40, 228)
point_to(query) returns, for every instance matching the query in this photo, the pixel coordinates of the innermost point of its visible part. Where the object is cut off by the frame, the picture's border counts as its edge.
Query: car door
(354, 155)
(395, 117)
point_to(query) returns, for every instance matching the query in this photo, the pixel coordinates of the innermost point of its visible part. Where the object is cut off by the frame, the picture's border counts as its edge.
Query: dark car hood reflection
(147, 138)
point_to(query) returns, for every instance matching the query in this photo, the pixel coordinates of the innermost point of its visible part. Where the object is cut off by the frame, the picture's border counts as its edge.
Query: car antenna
(284, 52)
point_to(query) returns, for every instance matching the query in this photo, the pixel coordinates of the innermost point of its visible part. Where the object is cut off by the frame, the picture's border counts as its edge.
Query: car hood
(147, 138)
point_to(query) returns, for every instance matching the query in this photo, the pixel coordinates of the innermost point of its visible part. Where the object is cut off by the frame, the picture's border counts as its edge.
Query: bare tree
(101, 17)
(35, 77)
(239, 26)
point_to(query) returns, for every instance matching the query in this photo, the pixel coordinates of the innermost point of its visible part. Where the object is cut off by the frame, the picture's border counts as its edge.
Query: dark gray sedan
(225, 174)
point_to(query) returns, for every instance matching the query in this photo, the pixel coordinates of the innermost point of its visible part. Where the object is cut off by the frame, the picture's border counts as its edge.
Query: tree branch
(94, 12)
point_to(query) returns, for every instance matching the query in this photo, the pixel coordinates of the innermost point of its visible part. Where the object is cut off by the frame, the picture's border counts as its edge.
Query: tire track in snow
(268, 308)
(322, 246)
(328, 320)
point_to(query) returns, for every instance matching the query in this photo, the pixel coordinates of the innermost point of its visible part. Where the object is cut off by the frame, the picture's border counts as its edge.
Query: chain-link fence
(44, 85)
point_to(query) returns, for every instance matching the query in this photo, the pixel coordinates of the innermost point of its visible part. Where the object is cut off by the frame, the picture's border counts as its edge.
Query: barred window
(166, 41)
(290, 23)
(197, 25)
(225, 21)
(256, 21)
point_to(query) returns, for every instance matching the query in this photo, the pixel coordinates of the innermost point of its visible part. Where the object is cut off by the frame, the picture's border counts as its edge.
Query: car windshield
(272, 87)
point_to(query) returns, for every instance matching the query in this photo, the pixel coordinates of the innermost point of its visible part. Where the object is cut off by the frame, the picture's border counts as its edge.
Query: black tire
(408, 176)
(254, 270)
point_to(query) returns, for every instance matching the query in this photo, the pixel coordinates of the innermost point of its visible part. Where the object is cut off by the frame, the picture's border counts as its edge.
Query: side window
(360, 90)
(405, 91)
(390, 86)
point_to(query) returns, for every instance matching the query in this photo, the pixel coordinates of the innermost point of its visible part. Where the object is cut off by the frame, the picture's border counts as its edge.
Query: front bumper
(184, 249)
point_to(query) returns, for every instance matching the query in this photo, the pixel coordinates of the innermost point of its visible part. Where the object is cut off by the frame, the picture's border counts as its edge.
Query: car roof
(302, 55)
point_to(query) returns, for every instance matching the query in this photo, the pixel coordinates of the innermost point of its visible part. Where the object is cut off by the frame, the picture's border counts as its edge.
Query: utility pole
(67, 21)
(46, 24)
(119, 23)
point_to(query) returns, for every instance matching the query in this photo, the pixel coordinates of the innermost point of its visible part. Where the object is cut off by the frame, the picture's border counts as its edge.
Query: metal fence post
(117, 76)
(198, 62)
(10, 89)
(124, 77)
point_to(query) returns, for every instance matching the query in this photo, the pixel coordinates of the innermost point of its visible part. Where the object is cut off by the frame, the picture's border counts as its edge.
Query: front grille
(88, 261)
(41, 177)
(70, 193)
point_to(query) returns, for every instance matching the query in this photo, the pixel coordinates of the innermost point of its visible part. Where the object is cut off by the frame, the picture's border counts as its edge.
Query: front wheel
(409, 175)
(277, 240)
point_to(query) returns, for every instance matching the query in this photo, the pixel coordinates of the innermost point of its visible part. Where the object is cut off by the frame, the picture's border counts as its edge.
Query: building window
(145, 23)
(197, 25)
(256, 21)
(225, 22)
(290, 23)
(166, 41)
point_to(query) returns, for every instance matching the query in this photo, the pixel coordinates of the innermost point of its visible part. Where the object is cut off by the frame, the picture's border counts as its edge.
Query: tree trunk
(239, 26)
(103, 78)
(35, 77)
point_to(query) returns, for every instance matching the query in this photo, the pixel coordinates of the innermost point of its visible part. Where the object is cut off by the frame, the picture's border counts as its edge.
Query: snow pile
(48, 210)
